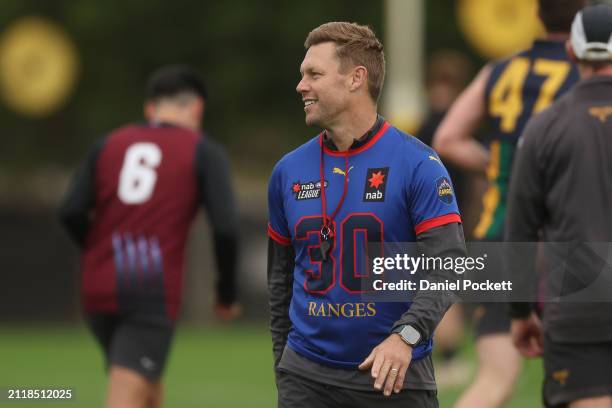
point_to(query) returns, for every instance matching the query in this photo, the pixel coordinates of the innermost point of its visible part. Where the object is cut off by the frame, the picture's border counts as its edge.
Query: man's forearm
(281, 261)
(76, 223)
(429, 307)
(525, 215)
(467, 154)
(454, 139)
(226, 253)
(74, 210)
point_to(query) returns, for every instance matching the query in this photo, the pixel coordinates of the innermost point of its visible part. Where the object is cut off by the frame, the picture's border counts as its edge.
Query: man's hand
(389, 362)
(527, 336)
(227, 313)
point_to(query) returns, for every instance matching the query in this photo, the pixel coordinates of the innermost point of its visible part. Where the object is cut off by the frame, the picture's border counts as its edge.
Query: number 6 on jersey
(138, 177)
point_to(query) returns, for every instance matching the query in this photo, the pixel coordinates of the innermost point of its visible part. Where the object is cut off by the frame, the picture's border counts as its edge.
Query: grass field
(213, 366)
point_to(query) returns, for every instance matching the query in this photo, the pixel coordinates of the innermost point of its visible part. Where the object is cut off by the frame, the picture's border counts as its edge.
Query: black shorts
(576, 371)
(140, 342)
(299, 392)
(491, 318)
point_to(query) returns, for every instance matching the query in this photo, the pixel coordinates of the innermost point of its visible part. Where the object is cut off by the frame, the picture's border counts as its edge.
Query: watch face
(410, 335)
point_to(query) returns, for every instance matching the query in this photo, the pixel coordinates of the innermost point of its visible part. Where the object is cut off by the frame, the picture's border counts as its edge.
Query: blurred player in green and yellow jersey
(505, 94)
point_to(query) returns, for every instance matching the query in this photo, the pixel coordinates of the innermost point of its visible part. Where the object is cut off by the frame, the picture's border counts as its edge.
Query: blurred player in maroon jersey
(129, 209)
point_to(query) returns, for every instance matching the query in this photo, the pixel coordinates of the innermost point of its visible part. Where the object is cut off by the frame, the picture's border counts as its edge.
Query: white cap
(592, 33)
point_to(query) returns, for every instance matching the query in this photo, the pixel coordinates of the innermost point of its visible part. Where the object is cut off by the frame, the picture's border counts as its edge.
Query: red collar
(361, 148)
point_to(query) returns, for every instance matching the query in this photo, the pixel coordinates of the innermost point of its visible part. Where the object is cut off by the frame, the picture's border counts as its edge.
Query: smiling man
(367, 182)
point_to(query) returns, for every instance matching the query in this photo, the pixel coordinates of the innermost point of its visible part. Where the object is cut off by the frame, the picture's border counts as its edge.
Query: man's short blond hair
(355, 45)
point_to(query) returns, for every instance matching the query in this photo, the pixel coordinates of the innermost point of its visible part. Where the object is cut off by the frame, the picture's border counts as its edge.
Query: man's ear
(199, 106)
(359, 78)
(149, 110)
(570, 52)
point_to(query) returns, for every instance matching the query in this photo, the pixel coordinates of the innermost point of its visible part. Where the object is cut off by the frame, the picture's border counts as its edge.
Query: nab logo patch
(445, 190)
(375, 184)
(307, 191)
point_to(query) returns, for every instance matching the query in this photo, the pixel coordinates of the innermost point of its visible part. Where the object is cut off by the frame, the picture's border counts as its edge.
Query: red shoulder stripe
(436, 222)
(278, 237)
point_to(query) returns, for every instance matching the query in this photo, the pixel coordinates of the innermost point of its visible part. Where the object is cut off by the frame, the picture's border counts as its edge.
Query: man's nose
(302, 86)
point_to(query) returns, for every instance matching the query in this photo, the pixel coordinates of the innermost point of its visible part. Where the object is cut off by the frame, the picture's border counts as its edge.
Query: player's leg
(451, 371)
(499, 363)
(498, 367)
(577, 375)
(157, 396)
(450, 330)
(127, 389)
(596, 402)
(137, 356)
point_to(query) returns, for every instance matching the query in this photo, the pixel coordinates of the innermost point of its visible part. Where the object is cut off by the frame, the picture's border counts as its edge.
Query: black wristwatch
(409, 334)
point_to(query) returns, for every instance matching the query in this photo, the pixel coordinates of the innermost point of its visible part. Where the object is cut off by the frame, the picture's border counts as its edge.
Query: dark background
(249, 52)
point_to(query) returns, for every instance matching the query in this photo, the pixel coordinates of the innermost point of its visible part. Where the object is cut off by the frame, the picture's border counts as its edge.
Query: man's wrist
(409, 334)
(398, 337)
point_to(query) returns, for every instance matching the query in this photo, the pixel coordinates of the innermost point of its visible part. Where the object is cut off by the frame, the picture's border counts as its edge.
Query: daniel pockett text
(407, 264)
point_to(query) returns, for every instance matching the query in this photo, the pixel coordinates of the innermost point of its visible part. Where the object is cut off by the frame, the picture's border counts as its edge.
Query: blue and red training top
(396, 189)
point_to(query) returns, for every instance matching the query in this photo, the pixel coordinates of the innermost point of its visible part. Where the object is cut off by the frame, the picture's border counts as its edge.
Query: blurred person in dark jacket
(504, 94)
(561, 189)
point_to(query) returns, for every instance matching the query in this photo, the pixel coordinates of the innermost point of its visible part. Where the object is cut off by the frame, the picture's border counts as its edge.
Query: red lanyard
(327, 231)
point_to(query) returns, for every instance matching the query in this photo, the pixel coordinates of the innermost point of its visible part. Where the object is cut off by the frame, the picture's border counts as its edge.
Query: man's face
(323, 87)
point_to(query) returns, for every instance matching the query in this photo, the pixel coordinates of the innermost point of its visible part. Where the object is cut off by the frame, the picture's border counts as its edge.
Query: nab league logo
(307, 191)
(445, 190)
(375, 184)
